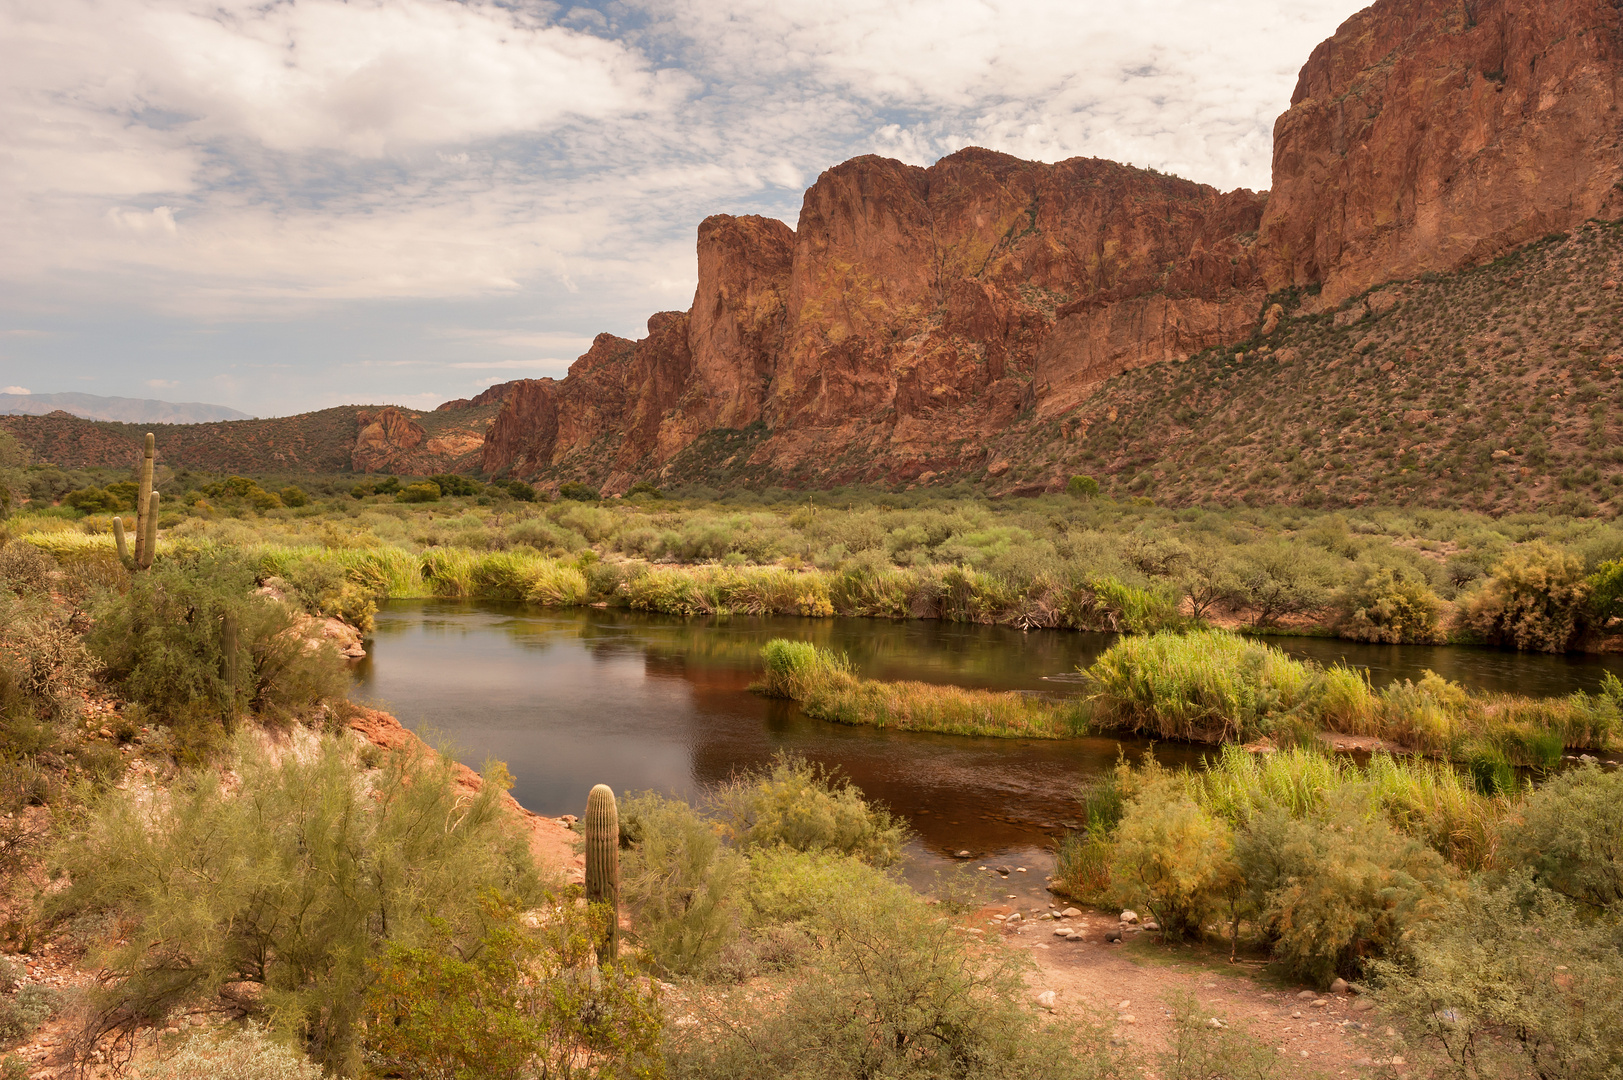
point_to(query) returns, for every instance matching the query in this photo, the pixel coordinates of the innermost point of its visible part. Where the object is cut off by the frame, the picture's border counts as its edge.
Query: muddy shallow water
(574, 698)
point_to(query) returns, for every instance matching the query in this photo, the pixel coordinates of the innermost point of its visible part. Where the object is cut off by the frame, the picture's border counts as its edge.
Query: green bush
(1280, 578)
(453, 486)
(644, 487)
(246, 1053)
(165, 644)
(1512, 981)
(1202, 1050)
(1336, 887)
(516, 1003)
(684, 888)
(1537, 599)
(22, 1014)
(803, 806)
(1082, 487)
(294, 496)
(419, 493)
(893, 991)
(94, 500)
(308, 869)
(579, 492)
(1381, 605)
(1170, 856)
(795, 668)
(1569, 835)
(25, 570)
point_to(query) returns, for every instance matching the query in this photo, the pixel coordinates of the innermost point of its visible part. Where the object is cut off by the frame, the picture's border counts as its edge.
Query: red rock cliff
(1434, 134)
(915, 313)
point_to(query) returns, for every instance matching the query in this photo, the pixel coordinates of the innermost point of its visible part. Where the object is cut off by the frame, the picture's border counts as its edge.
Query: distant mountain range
(119, 409)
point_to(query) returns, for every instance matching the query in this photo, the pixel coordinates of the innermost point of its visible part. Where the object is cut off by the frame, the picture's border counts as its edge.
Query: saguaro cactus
(146, 518)
(603, 864)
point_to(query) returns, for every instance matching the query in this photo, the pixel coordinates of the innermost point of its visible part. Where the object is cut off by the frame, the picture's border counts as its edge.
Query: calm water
(574, 698)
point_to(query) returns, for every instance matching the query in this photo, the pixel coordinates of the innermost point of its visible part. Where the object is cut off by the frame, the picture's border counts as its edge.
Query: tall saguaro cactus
(146, 518)
(603, 864)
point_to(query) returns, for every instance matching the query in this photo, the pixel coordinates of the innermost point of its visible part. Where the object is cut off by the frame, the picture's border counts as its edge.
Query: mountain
(915, 320)
(351, 438)
(120, 409)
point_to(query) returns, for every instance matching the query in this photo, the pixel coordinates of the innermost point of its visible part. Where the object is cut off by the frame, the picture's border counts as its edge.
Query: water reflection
(573, 698)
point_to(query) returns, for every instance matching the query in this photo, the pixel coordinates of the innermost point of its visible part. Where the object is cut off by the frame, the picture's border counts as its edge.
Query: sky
(285, 205)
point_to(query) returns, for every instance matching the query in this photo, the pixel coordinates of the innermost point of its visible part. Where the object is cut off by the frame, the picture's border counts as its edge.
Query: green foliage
(293, 496)
(93, 500)
(1206, 686)
(579, 492)
(645, 488)
(22, 1013)
(1382, 605)
(894, 991)
(515, 1003)
(164, 644)
(1536, 599)
(1569, 835)
(1169, 855)
(419, 493)
(795, 668)
(681, 884)
(245, 1053)
(25, 570)
(803, 806)
(1281, 578)
(1334, 887)
(1513, 981)
(453, 486)
(295, 879)
(518, 489)
(1082, 487)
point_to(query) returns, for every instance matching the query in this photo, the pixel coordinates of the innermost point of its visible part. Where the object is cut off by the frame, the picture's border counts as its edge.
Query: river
(578, 697)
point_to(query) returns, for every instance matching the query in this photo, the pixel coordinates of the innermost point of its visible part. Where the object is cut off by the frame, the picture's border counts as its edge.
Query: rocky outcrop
(900, 324)
(392, 440)
(387, 438)
(1428, 135)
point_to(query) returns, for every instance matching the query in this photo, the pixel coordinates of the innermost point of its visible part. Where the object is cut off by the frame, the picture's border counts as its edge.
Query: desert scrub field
(1531, 581)
(1217, 687)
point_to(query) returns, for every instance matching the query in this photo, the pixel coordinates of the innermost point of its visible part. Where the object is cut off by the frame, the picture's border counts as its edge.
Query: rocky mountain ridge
(913, 314)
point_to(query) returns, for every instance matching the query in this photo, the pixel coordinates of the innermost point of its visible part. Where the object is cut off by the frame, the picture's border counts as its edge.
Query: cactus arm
(142, 558)
(150, 547)
(124, 555)
(603, 864)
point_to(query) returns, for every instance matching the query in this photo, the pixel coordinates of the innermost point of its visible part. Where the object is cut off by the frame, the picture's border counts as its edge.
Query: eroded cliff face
(911, 314)
(392, 440)
(915, 314)
(1429, 135)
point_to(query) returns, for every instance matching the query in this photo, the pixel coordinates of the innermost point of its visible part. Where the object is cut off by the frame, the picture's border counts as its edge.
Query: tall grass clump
(823, 685)
(1209, 686)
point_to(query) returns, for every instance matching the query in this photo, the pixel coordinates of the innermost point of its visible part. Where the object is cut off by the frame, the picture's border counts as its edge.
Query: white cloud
(163, 384)
(222, 165)
(15, 390)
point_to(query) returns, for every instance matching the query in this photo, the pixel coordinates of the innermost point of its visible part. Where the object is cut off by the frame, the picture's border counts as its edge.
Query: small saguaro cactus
(603, 864)
(146, 518)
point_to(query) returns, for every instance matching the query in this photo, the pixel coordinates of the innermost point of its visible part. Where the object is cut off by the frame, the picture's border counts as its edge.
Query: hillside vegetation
(1494, 389)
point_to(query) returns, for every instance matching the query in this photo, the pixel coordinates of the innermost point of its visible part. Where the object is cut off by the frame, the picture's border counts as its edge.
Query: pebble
(1321, 1003)
(1047, 999)
(1363, 1005)
(962, 855)
(1063, 932)
(1071, 912)
(1339, 986)
(1306, 995)
(1129, 916)
(1112, 935)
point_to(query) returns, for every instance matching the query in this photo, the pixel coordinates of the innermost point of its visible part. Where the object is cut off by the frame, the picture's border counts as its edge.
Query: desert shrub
(25, 570)
(419, 493)
(454, 486)
(1512, 981)
(22, 1014)
(1278, 578)
(683, 886)
(1536, 600)
(11, 975)
(1170, 856)
(323, 587)
(94, 500)
(805, 807)
(1568, 834)
(893, 991)
(295, 878)
(518, 1002)
(166, 643)
(246, 1053)
(1082, 487)
(1336, 887)
(1202, 1050)
(293, 496)
(1381, 605)
(578, 492)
